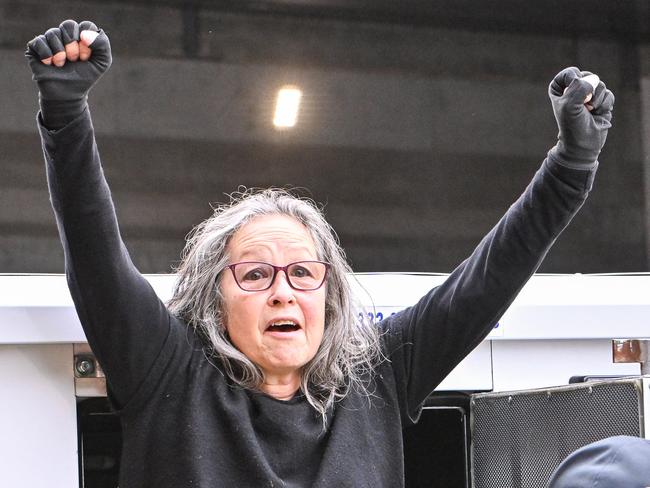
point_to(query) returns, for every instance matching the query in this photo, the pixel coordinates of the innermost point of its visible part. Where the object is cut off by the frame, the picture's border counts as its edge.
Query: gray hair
(349, 350)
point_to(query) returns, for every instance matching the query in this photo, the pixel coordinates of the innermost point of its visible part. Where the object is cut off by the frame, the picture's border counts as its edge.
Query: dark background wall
(421, 122)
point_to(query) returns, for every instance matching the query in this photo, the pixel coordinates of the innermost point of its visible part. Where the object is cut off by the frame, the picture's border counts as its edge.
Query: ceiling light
(286, 107)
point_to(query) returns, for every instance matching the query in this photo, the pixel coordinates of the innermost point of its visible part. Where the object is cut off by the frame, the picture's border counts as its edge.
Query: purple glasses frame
(276, 269)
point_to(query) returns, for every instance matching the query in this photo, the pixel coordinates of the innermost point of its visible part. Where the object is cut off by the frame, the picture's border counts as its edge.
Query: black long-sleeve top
(183, 423)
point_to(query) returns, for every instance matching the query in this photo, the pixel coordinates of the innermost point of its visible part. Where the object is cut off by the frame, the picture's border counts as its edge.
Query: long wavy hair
(349, 350)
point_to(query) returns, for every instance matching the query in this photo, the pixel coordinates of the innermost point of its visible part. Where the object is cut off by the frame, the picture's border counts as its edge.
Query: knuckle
(68, 23)
(69, 30)
(53, 32)
(88, 25)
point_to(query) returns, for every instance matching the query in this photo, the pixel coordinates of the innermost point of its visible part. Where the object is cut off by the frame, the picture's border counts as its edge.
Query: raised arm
(124, 321)
(428, 340)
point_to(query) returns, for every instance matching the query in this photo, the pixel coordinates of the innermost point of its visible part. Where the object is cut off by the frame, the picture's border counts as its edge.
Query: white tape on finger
(593, 80)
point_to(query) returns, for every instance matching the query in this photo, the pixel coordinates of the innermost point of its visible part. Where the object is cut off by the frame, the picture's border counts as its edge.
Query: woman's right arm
(125, 323)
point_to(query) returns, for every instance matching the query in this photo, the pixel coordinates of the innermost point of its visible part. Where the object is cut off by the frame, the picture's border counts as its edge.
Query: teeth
(284, 325)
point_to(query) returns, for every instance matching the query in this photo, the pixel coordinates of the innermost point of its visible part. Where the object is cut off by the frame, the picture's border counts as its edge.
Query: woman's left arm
(426, 341)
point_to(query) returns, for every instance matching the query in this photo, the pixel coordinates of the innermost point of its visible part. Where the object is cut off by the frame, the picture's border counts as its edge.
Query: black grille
(519, 438)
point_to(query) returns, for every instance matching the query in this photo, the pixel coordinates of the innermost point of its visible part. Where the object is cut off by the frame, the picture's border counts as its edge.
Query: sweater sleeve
(124, 321)
(426, 341)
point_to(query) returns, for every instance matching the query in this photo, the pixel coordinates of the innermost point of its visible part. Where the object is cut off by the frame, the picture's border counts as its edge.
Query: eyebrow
(255, 253)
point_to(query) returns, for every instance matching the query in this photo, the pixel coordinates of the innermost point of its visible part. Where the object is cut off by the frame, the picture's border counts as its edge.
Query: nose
(280, 291)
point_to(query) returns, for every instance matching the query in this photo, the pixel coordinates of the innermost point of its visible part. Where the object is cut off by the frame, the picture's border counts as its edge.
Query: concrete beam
(192, 100)
(644, 56)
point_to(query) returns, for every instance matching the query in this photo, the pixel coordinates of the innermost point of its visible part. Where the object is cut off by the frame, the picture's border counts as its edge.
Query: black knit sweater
(185, 426)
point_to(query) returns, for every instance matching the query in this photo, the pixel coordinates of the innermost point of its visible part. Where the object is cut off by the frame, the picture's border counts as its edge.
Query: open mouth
(283, 326)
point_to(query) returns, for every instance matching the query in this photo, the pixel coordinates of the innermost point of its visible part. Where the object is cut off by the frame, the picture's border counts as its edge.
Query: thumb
(87, 37)
(578, 92)
(97, 44)
(562, 80)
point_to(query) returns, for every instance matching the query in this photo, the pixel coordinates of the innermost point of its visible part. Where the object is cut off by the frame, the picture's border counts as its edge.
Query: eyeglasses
(259, 276)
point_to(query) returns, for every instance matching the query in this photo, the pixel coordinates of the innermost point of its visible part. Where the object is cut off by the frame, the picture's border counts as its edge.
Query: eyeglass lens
(303, 275)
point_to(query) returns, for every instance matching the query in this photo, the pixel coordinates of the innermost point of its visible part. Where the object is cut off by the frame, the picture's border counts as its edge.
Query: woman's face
(278, 240)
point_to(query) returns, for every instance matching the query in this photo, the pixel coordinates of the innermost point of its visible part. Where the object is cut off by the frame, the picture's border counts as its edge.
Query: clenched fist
(583, 116)
(66, 62)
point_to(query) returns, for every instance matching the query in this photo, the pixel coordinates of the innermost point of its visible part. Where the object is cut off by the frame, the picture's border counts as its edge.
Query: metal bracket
(632, 351)
(89, 379)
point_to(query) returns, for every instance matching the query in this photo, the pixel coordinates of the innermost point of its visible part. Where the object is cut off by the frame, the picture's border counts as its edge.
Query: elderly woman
(258, 372)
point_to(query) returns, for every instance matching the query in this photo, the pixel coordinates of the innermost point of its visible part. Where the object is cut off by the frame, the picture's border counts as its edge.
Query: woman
(258, 373)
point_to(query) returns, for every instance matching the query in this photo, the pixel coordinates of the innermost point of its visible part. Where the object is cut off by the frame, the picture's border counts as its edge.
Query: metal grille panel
(519, 438)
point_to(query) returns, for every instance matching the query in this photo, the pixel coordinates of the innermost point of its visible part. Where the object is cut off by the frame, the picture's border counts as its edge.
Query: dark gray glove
(63, 91)
(582, 132)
